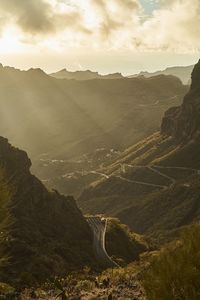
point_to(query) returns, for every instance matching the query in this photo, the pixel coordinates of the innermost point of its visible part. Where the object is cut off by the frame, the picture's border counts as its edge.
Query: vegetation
(175, 272)
(171, 273)
(6, 288)
(120, 283)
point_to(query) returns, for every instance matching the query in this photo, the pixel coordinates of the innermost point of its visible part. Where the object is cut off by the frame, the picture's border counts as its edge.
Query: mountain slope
(183, 73)
(43, 234)
(123, 245)
(67, 118)
(154, 185)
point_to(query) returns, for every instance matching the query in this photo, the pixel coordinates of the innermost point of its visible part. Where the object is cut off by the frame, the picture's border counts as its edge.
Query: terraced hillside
(154, 185)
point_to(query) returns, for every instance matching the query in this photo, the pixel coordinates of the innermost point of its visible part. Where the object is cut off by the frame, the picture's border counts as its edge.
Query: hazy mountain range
(83, 75)
(183, 73)
(66, 118)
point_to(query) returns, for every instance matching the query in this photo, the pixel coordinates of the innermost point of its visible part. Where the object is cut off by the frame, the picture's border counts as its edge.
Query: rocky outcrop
(42, 233)
(183, 122)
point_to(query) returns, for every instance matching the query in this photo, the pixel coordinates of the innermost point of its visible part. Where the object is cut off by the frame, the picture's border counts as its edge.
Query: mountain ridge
(42, 107)
(182, 72)
(84, 75)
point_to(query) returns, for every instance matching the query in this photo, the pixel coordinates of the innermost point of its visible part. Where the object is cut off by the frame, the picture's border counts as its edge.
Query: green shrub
(6, 288)
(175, 273)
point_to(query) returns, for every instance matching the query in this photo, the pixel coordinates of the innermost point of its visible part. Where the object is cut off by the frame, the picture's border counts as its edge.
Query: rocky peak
(13, 159)
(31, 217)
(36, 71)
(183, 122)
(196, 77)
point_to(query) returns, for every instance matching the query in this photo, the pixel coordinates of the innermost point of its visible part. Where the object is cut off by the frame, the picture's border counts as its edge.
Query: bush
(175, 273)
(6, 288)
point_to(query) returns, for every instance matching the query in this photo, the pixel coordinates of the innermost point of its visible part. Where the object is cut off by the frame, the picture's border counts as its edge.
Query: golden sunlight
(10, 41)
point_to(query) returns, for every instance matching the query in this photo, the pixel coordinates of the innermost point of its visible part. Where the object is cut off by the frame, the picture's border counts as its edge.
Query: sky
(108, 36)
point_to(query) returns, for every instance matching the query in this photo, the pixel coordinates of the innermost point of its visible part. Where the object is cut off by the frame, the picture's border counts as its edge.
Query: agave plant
(62, 294)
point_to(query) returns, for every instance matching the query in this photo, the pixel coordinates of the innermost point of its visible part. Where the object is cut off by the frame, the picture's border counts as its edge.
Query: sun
(10, 41)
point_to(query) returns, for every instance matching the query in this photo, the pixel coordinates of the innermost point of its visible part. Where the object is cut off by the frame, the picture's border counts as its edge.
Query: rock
(183, 123)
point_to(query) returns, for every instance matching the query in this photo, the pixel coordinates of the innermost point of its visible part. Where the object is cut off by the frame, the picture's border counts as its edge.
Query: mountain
(183, 122)
(67, 118)
(64, 124)
(154, 185)
(183, 73)
(84, 75)
(43, 234)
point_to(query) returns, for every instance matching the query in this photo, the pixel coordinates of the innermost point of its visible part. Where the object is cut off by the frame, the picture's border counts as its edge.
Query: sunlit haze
(107, 36)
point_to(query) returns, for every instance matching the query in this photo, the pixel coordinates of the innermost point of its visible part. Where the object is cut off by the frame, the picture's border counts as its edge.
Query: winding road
(159, 170)
(101, 174)
(154, 168)
(142, 183)
(98, 226)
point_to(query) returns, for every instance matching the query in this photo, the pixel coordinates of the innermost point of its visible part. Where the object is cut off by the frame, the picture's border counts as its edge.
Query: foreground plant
(175, 273)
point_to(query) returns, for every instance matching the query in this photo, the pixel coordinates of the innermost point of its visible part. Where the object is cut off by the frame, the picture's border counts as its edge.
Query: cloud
(114, 15)
(2, 23)
(128, 4)
(174, 25)
(39, 16)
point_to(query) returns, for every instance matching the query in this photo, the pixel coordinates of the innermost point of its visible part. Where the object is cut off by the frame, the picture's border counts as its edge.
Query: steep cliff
(184, 122)
(42, 233)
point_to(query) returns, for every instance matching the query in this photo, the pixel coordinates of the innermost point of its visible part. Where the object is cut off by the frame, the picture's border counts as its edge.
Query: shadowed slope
(43, 234)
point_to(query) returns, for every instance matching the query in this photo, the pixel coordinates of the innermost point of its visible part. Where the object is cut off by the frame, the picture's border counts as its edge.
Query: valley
(99, 150)
(151, 187)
